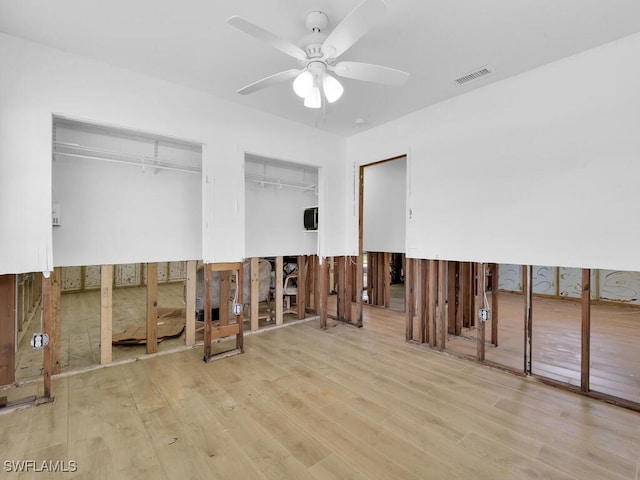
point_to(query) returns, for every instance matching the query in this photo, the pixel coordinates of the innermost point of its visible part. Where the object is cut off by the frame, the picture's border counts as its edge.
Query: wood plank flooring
(335, 404)
(615, 343)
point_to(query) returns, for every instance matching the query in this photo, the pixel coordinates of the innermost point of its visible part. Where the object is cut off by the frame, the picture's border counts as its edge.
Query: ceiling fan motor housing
(316, 22)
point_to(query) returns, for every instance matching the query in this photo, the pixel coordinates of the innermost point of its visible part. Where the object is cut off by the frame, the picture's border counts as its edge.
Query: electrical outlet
(39, 340)
(237, 308)
(484, 314)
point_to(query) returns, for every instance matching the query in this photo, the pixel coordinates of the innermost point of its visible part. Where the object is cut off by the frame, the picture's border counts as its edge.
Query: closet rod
(128, 162)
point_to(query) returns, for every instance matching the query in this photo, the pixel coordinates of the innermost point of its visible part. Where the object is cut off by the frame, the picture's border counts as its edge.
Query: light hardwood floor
(336, 404)
(615, 343)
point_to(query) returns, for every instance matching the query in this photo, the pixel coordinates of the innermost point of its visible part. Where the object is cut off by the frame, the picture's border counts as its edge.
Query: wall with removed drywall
(539, 169)
(38, 81)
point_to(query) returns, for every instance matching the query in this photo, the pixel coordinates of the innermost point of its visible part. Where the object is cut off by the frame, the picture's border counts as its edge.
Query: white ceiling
(189, 43)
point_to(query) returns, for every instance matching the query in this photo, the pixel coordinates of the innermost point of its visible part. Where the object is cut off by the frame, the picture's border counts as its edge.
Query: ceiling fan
(318, 53)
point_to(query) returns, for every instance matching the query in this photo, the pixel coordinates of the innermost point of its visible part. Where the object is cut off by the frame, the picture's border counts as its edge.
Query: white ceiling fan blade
(371, 73)
(354, 26)
(266, 36)
(268, 81)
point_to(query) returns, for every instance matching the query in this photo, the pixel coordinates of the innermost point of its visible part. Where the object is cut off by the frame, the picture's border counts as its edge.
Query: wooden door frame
(359, 262)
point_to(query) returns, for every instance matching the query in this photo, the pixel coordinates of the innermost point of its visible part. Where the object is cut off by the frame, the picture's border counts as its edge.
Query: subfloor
(305, 403)
(80, 323)
(556, 343)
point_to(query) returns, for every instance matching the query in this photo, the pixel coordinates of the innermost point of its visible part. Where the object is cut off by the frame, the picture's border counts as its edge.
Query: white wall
(538, 169)
(116, 213)
(37, 81)
(385, 206)
(273, 215)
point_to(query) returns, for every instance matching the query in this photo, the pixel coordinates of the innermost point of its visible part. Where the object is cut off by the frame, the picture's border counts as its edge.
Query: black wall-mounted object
(311, 218)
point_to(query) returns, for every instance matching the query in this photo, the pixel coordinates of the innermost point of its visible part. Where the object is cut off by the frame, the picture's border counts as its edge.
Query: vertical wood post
(7, 329)
(423, 330)
(494, 303)
(255, 287)
(418, 267)
(208, 305)
(240, 301)
(152, 307)
(106, 314)
(340, 291)
(279, 289)
(301, 298)
(46, 327)
(55, 339)
(441, 313)
(386, 269)
(451, 297)
(225, 293)
(528, 319)
(479, 303)
(359, 287)
(460, 293)
(190, 304)
(409, 299)
(585, 356)
(433, 298)
(323, 285)
(349, 287)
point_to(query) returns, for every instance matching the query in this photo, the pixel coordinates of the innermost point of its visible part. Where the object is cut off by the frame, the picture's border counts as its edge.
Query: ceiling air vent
(475, 75)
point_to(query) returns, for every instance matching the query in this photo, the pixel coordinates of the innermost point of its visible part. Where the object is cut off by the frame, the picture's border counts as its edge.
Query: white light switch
(56, 215)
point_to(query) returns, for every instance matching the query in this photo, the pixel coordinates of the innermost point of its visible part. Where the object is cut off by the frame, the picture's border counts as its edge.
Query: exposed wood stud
(255, 287)
(279, 290)
(386, 258)
(340, 291)
(190, 303)
(46, 327)
(208, 305)
(240, 301)
(301, 298)
(419, 297)
(380, 272)
(495, 282)
(409, 298)
(479, 303)
(585, 357)
(349, 290)
(460, 292)
(451, 297)
(7, 329)
(441, 327)
(223, 328)
(56, 321)
(324, 290)
(424, 308)
(225, 293)
(106, 314)
(152, 307)
(359, 288)
(528, 319)
(370, 276)
(433, 298)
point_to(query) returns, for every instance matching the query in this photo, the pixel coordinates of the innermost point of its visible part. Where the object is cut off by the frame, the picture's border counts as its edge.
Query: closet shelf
(72, 150)
(280, 183)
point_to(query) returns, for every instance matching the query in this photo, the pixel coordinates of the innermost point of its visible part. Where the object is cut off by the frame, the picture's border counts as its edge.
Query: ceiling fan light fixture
(333, 89)
(303, 84)
(313, 100)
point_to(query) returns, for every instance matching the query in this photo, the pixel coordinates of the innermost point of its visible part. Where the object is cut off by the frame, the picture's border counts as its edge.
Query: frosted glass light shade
(303, 84)
(332, 88)
(313, 100)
